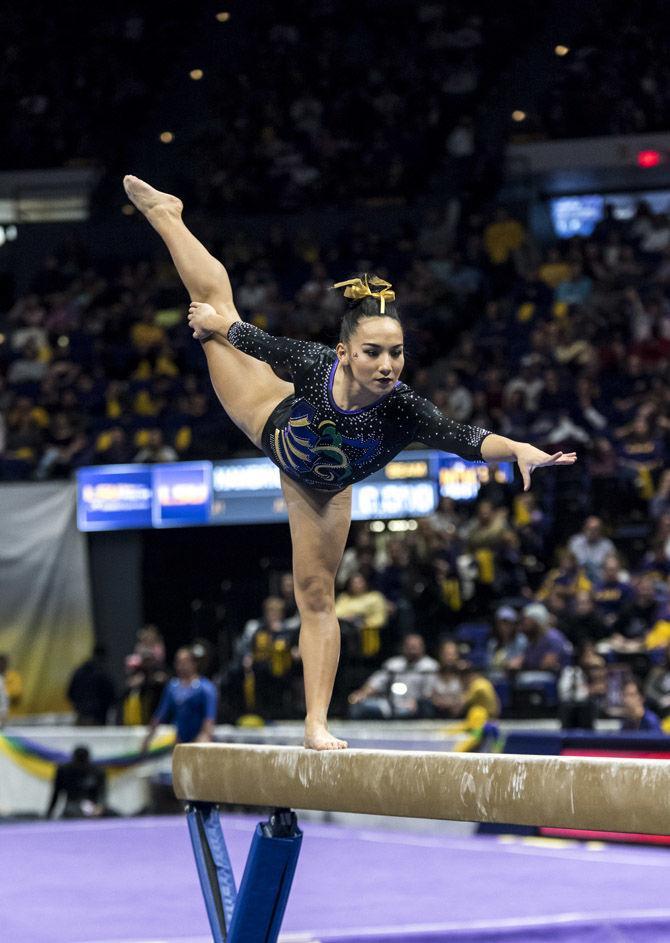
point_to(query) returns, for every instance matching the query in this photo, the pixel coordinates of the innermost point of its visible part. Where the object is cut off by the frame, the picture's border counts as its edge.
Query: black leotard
(325, 447)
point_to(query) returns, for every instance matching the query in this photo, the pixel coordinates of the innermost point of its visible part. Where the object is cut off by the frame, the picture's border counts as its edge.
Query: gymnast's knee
(315, 595)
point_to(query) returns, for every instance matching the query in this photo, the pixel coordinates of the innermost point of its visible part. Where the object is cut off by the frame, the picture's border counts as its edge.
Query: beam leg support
(214, 868)
(267, 880)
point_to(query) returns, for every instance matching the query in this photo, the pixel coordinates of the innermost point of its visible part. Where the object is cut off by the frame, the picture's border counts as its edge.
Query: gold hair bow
(358, 288)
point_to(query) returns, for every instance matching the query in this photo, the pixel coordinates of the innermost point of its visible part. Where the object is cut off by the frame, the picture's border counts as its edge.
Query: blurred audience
(12, 683)
(82, 784)
(91, 691)
(402, 687)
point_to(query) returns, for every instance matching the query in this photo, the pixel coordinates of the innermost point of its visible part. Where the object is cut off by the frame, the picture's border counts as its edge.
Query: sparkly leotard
(325, 447)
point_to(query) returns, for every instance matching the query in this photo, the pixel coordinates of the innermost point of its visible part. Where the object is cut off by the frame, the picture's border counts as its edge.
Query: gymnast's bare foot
(205, 321)
(151, 202)
(318, 737)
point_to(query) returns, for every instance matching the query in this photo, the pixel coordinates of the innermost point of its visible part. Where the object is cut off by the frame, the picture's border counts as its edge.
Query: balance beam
(620, 795)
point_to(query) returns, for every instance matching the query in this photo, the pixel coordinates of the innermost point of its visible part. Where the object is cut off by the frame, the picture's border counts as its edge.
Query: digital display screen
(248, 491)
(579, 215)
(118, 497)
(114, 497)
(461, 480)
(381, 500)
(182, 494)
(576, 215)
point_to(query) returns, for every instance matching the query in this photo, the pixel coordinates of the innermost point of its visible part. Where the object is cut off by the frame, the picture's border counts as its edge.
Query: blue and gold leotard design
(316, 442)
(304, 448)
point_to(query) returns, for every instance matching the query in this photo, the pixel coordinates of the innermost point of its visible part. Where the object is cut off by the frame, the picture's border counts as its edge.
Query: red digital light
(649, 158)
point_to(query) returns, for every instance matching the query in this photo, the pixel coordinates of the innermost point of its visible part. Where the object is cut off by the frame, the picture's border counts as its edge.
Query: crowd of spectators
(614, 79)
(264, 108)
(565, 346)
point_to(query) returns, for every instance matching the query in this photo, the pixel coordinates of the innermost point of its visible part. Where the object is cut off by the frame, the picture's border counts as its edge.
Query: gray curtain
(45, 606)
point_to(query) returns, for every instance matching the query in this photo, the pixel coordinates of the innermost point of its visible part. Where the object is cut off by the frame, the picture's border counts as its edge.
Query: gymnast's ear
(342, 353)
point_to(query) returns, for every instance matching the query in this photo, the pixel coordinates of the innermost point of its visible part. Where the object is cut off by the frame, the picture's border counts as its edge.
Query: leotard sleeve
(280, 352)
(436, 430)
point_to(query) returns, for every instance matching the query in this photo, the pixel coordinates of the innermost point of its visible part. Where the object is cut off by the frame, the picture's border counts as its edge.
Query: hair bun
(359, 288)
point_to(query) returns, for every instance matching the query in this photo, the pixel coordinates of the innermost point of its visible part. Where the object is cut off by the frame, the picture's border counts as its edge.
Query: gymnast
(343, 416)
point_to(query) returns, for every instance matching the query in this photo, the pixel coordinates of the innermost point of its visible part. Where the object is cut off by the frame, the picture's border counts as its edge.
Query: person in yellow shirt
(145, 334)
(658, 636)
(478, 692)
(13, 683)
(554, 270)
(503, 236)
(367, 609)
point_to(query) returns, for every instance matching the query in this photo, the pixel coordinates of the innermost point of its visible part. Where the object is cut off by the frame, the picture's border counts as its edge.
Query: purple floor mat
(134, 881)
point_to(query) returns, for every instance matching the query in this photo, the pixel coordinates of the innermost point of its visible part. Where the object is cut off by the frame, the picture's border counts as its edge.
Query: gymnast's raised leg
(248, 389)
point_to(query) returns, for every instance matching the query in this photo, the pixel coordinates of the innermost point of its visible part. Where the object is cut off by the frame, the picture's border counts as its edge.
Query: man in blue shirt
(188, 701)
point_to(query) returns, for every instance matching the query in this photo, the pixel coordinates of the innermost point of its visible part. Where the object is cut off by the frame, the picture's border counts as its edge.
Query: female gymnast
(344, 415)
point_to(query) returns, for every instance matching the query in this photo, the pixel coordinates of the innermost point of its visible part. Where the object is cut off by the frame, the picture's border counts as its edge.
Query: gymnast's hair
(367, 296)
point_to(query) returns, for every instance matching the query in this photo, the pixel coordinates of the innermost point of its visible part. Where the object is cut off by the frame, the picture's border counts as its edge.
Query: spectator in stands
(582, 687)
(657, 686)
(188, 701)
(644, 610)
(155, 449)
(91, 691)
(263, 678)
(12, 682)
(364, 608)
(636, 716)
(286, 592)
(64, 446)
(480, 702)
(484, 537)
(361, 545)
(582, 622)
(4, 703)
(146, 677)
(503, 236)
(401, 688)
(29, 367)
(112, 447)
(83, 784)
(548, 649)
(590, 547)
(613, 596)
(273, 622)
(459, 398)
(24, 438)
(507, 645)
(447, 691)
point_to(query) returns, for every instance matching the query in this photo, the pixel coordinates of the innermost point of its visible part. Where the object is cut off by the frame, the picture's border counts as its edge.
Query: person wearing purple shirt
(612, 597)
(636, 716)
(548, 649)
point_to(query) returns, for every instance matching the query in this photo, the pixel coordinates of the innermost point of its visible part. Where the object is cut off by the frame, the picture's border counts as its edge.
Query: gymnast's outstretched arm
(497, 448)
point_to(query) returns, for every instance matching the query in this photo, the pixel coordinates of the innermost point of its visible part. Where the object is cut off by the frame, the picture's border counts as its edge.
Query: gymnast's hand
(528, 458)
(204, 320)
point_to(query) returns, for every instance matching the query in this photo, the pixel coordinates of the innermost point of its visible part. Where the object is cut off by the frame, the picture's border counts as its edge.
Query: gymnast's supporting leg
(247, 389)
(319, 526)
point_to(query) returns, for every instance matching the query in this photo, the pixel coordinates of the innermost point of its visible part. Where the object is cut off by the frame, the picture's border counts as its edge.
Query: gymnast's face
(375, 353)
